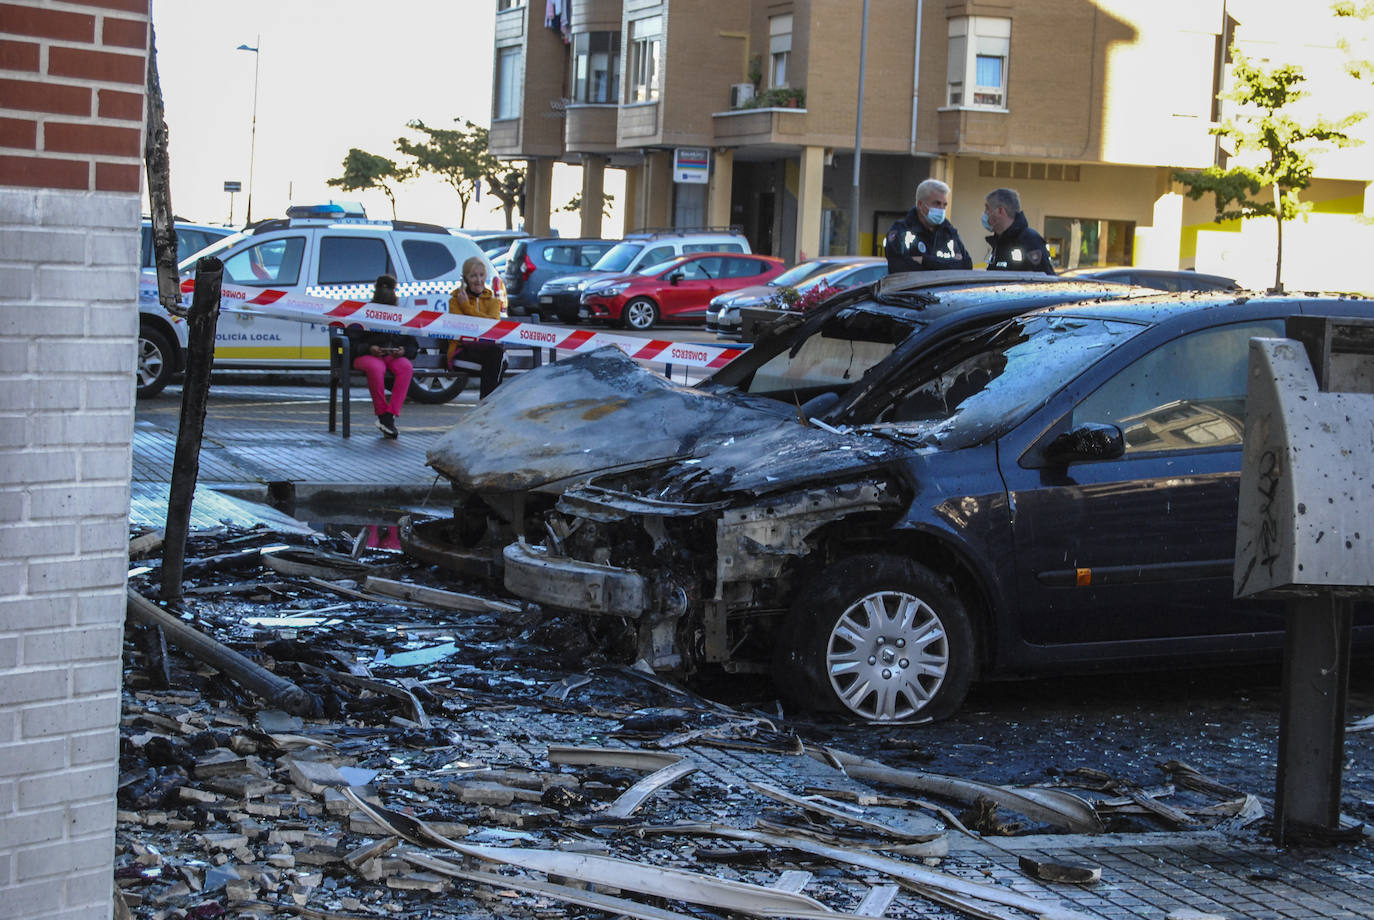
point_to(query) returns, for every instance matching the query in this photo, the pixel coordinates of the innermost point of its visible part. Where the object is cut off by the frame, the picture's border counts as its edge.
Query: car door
(280, 262)
(347, 266)
(687, 299)
(1139, 548)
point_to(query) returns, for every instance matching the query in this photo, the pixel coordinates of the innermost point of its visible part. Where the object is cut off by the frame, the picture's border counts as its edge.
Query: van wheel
(156, 362)
(640, 313)
(878, 638)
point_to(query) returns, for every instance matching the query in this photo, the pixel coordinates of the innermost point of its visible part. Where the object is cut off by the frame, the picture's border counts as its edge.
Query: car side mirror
(1093, 441)
(675, 277)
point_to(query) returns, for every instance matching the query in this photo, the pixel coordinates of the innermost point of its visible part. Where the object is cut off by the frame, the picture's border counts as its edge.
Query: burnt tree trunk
(195, 394)
(159, 170)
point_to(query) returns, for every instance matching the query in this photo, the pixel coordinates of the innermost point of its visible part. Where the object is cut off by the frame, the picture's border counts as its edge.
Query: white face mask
(936, 216)
(987, 224)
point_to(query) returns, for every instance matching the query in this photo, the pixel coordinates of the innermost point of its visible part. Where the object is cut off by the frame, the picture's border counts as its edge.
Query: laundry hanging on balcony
(558, 16)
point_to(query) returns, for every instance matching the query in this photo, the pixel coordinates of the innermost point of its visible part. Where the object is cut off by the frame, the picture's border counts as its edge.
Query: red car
(677, 291)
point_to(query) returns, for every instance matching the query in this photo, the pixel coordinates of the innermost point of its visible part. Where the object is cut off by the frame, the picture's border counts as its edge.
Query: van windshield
(619, 257)
(188, 264)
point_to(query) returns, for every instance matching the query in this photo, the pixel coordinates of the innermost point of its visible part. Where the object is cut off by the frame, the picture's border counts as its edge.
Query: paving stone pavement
(256, 436)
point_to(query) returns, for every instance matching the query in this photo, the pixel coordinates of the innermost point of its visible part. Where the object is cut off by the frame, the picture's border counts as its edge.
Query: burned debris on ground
(463, 755)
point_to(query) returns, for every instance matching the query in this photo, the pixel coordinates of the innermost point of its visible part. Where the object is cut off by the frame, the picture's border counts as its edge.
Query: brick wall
(71, 123)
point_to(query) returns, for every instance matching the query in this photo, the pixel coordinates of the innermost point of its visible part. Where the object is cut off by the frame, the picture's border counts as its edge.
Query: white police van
(322, 255)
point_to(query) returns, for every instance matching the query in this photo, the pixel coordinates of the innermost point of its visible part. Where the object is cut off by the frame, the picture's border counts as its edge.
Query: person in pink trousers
(378, 354)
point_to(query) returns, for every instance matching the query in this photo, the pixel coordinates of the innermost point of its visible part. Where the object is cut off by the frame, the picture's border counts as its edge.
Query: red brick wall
(72, 80)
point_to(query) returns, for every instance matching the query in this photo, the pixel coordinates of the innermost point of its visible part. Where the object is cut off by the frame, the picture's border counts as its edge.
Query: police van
(321, 254)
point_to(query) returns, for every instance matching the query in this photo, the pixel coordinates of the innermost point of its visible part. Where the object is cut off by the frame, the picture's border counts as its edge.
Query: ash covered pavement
(472, 756)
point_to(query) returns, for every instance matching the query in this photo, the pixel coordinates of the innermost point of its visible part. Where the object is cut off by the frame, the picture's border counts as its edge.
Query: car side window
(743, 268)
(658, 254)
(427, 259)
(868, 275)
(271, 262)
(560, 255)
(699, 270)
(353, 259)
(1187, 393)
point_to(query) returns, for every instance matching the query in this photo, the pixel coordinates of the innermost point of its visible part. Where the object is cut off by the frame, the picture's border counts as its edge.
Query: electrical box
(1306, 513)
(740, 93)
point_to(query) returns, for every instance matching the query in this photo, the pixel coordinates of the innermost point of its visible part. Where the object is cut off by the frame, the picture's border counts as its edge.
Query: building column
(656, 196)
(809, 187)
(1160, 244)
(593, 194)
(538, 195)
(721, 188)
(629, 208)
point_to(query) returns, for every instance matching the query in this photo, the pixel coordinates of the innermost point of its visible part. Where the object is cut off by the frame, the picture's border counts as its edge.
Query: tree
(459, 157)
(1284, 146)
(363, 171)
(575, 204)
(1360, 68)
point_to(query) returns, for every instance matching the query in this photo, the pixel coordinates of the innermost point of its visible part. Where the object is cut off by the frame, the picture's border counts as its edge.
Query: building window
(779, 48)
(1082, 242)
(508, 4)
(978, 50)
(646, 47)
(596, 66)
(508, 89)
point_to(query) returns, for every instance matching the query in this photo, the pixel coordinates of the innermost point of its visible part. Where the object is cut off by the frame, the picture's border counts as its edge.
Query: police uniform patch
(1034, 257)
(921, 248)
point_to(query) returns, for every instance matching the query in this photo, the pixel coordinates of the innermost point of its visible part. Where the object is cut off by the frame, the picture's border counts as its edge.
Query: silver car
(839, 272)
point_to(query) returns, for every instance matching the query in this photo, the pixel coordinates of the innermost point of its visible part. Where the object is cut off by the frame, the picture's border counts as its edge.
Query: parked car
(677, 291)
(1158, 278)
(536, 260)
(1055, 492)
(322, 257)
(191, 238)
(596, 415)
(760, 293)
(562, 296)
(493, 242)
(854, 272)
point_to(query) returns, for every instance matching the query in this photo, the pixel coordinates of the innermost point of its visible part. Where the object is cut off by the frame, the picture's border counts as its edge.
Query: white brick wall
(68, 320)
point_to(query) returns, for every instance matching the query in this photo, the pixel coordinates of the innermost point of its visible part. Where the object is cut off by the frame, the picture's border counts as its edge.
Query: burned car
(790, 512)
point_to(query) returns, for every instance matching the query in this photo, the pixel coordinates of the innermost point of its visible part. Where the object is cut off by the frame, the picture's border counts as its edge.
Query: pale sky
(333, 74)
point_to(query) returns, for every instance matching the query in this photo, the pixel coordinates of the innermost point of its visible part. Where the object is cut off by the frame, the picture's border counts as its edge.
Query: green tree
(1284, 145)
(458, 156)
(1361, 68)
(363, 171)
(575, 204)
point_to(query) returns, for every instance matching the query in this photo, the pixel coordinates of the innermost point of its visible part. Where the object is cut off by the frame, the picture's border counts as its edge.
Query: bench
(426, 364)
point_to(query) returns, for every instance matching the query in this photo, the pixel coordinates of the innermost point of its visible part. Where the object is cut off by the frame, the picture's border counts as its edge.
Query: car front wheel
(640, 313)
(878, 638)
(156, 362)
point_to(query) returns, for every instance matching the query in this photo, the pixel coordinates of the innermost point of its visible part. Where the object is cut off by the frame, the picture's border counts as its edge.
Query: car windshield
(618, 258)
(837, 353)
(188, 264)
(798, 273)
(985, 388)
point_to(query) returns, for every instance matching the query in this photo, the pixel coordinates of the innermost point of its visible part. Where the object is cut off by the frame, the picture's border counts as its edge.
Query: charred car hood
(602, 412)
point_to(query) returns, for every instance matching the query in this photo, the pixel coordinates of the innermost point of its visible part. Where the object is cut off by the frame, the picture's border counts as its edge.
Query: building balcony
(590, 128)
(756, 127)
(984, 130)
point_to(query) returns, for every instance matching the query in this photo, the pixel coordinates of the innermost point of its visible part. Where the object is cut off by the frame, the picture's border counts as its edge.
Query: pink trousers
(376, 370)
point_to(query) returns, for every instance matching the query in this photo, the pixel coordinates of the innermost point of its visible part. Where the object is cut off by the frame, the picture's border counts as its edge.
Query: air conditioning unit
(740, 93)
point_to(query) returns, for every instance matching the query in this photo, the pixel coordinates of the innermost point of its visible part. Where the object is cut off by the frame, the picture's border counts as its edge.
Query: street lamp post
(253, 135)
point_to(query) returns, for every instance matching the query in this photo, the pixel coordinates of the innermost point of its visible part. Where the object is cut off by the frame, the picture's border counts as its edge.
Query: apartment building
(744, 112)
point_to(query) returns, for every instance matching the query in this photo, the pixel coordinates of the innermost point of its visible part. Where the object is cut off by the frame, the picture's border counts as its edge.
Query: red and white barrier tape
(444, 325)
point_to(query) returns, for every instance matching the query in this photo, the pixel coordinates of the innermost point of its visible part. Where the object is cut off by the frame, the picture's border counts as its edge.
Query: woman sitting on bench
(474, 298)
(377, 354)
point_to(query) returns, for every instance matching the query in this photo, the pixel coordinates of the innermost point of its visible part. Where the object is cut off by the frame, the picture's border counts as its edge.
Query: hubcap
(150, 362)
(887, 656)
(640, 315)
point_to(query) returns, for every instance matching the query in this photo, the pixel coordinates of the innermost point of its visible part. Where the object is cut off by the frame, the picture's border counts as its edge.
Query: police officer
(1015, 246)
(924, 240)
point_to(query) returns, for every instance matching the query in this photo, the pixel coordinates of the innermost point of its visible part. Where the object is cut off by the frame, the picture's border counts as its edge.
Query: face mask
(936, 216)
(987, 224)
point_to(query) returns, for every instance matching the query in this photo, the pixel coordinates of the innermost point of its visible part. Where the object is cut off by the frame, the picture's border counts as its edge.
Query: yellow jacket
(484, 305)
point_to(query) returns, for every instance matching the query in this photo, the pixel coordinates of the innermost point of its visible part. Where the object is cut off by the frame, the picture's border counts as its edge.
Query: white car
(321, 257)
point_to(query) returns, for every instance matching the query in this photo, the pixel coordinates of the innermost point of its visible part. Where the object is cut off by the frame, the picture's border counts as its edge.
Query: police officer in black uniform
(1015, 246)
(925, 240)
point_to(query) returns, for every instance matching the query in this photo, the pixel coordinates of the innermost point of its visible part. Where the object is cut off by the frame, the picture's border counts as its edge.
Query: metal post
(253, 134)
(858, 138)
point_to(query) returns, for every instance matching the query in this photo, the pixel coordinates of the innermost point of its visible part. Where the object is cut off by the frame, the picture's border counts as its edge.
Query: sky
(333, 74)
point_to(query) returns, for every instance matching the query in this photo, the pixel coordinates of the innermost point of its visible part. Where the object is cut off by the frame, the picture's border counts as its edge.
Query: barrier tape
(440, 324)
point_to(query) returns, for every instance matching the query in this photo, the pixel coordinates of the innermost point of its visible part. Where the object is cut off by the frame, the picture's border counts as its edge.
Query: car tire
(640, 313)
(156, 362)
(433, 390)
(829, 656)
